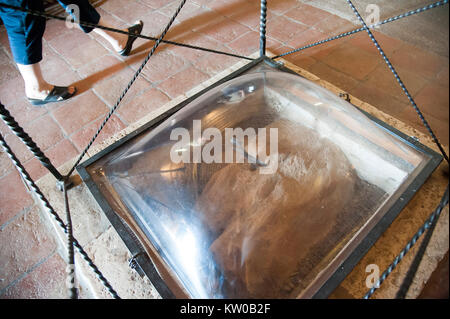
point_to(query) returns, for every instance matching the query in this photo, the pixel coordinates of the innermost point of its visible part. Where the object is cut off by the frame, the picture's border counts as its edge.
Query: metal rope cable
(415, 264)
(400, 82)
(262, 28)
(92, 25)
(342, 35)
(71, 256)
(36, 151)
(444, 201)
(47, 206)
(27, 140)
(428, 223)
(436, 212)
(116, 105)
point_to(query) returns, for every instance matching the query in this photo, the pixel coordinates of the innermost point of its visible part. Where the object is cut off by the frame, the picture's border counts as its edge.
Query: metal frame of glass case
(145, 264)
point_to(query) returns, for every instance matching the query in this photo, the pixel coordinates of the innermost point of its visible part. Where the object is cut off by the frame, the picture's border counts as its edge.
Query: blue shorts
(25, 31)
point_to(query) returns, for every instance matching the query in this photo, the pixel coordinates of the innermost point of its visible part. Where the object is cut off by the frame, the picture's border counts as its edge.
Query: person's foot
(120, 42)
(42, 92)
(126, 46)
(50, 93)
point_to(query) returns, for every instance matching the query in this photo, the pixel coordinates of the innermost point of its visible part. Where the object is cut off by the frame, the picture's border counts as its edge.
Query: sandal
(135, 29)
(59, 93)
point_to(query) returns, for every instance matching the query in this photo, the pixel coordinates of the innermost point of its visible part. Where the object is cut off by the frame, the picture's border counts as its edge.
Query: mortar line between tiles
(27, 273)
(123, 60)
(395, 98)
(53, 146)
(60, 55)
(19, 214)
(65, 135)
(95, 60)
(435, 78)
(86, 280)
(142, 74)
(31, 122)
(126, 22)
(97, 237)
(106, 47)
(145, 4)
(168, 15)
(252, 28)
(122, 120)
(6, 173)
(429, 82)
(101, 99)
(295, 21)
(164, 6)
(375, 57)
(359, 82)
(399, 97)
(109, 106)
(186, 64)
(405, 45)
(156, 84)
(185, 90)
(152, 86)
(54, 120)
(117, 113)
(99, 118)
(239, 37)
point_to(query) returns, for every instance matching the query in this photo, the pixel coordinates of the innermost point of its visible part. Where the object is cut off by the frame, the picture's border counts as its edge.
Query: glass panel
(306, 191)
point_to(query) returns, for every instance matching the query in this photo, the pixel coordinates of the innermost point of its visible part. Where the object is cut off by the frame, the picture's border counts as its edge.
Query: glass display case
(264, 185)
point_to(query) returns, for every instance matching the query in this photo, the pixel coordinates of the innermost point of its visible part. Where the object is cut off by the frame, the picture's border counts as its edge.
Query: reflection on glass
(228, 231)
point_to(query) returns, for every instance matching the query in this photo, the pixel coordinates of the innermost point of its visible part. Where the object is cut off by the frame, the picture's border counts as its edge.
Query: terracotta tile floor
(27, 249)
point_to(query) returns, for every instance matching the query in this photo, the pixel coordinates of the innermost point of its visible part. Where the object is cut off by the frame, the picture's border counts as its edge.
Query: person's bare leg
(117, 40)
(35, 85)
